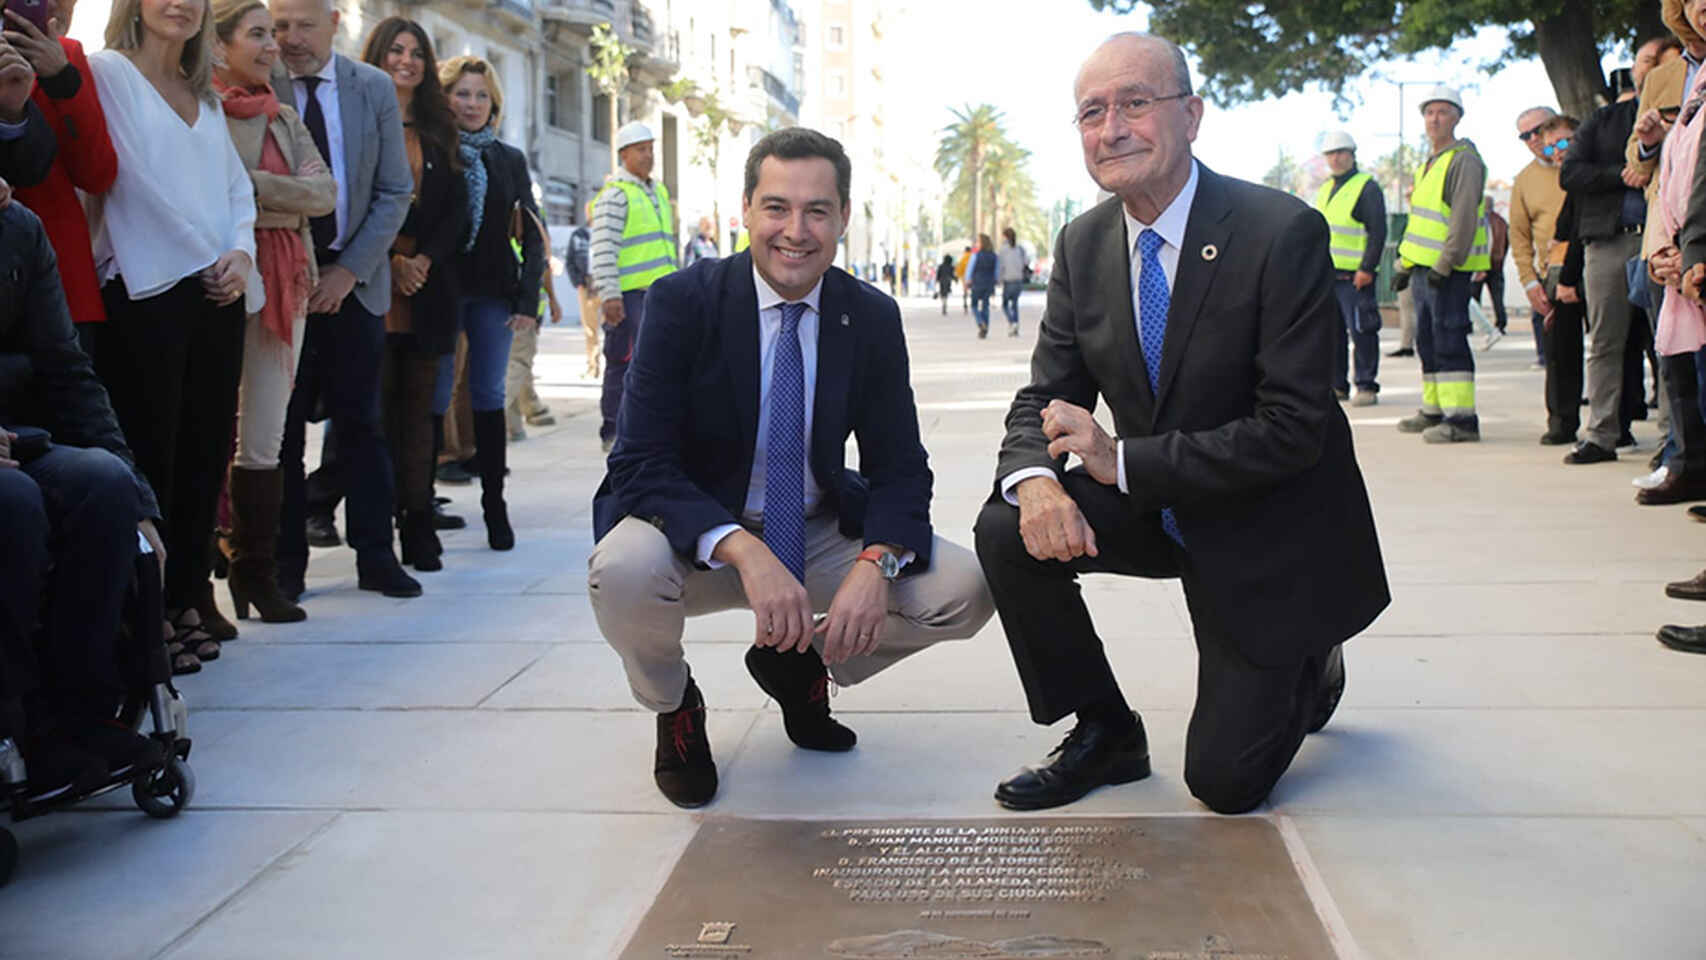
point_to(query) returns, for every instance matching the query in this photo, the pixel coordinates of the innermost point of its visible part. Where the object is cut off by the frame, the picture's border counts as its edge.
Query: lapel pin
(844, 321)
(1210, 251)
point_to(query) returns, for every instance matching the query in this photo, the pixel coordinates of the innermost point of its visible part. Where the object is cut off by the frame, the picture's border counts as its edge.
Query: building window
(553, 115)
(601, 118)
(837, 83)
(837, 36)
(563, 100)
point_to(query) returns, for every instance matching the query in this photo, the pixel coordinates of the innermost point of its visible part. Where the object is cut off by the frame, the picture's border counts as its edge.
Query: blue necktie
(785, 448)
(1153, 299)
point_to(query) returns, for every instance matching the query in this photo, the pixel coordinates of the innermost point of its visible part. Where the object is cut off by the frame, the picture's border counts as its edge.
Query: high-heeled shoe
(254, 577)
(417, 539)
(490, 453)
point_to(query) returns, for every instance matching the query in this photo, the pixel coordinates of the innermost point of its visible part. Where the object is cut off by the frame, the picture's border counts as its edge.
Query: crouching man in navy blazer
(727, 487)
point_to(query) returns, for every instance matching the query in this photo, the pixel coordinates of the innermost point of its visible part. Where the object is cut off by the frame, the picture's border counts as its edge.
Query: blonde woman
(292, 183)
(499, 294)
(174, 244)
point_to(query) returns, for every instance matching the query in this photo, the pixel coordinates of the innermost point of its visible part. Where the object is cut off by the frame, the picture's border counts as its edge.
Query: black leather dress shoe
(1091, 756)
(385, 575)
(799, 684)
(1694, 589)
(1589, 452)
(322, 532)
(1686, 639)
(446, 521)
(1556, 438)
(1332, 687)
(684, 770)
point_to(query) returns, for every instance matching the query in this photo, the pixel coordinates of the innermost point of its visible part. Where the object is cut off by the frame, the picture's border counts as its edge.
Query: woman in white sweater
(175, 252)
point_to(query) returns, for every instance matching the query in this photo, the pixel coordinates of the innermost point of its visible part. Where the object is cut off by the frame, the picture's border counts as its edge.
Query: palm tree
(962, 149)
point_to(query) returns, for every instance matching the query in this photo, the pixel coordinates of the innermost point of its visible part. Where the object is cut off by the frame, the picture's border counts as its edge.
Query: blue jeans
(618, 353)
(486, 322)
(1359, 326)
(980, 307)
(1010, 290)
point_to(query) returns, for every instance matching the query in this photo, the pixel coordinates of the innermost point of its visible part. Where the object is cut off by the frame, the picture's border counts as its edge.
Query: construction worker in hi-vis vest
(633, 246)
(1445, 242)
(1355, 211)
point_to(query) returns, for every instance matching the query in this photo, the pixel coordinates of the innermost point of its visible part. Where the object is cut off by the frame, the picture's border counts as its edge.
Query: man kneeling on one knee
(727, 486)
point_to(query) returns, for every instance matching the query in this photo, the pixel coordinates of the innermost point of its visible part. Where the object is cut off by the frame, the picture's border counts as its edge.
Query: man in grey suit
(350, 109)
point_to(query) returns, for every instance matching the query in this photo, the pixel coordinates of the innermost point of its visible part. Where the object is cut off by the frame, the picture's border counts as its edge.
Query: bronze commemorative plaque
(1133, 888)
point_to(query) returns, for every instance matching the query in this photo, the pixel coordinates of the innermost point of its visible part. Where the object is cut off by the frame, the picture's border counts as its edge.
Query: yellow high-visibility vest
(647, 253)
(1348, 239)
(1430, 222)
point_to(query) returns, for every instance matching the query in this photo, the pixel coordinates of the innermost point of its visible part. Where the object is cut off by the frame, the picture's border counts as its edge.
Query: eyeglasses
(1133, 110)
(1531, 132)
(1559, 147)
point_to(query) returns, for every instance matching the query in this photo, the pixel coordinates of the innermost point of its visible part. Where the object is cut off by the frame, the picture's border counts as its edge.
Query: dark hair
(1562, 121)
(1666, 41)
(433, 121)
(1010, 235)
(798, 143)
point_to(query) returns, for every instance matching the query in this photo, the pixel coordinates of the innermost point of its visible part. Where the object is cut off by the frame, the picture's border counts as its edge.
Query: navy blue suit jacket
(689, 422)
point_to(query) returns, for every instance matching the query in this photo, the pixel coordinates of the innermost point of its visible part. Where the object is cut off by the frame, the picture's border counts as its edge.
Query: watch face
(889, 565)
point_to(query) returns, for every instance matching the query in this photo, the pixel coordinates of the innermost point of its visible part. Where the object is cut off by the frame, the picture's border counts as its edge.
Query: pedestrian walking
(981, 271)
(1013, 264)
(703, 246)
(945, 280)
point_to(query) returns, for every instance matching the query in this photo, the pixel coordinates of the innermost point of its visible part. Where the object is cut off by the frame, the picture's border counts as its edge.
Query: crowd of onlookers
(213, 232)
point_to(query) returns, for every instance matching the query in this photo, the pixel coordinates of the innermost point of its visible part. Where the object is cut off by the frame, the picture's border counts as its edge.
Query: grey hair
(1181, 69)
(1550, 113)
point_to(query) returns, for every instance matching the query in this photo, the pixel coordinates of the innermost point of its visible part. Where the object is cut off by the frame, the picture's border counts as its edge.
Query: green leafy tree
(1285, 174)
(961, 152)
(609, 72)
(1255, 49)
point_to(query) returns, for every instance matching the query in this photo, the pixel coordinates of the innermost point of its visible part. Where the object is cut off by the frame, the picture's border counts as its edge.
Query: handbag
(1635, 276)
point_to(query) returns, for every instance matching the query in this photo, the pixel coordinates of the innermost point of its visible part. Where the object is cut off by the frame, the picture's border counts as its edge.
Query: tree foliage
(1255, 49)
(609, 72)
(991, 177)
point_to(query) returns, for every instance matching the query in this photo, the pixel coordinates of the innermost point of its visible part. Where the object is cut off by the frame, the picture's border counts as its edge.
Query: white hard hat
(633, 133)
(1443, 92)
(1337, 140)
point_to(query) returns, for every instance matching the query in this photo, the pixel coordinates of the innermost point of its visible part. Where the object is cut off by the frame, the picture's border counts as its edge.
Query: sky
(1032, 61)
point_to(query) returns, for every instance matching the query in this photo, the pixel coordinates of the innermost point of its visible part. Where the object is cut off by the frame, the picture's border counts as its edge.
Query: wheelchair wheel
(164, 793)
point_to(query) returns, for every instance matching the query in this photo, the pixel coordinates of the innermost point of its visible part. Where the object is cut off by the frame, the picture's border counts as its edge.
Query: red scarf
(245, 102)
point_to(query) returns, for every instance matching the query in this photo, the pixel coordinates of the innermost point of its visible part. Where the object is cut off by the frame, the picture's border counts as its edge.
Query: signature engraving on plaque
(715, 931)
(907, 944)
(1214, 947)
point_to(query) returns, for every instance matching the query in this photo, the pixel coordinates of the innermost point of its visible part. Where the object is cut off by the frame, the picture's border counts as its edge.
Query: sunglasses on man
(1531, 132)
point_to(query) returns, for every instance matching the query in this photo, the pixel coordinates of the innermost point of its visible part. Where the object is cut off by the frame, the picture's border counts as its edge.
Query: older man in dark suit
(728, 484)
(1201, 309)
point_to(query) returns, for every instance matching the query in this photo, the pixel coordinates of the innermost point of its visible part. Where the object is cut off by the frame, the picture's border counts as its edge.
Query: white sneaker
(1493, 336)
(1653, 479)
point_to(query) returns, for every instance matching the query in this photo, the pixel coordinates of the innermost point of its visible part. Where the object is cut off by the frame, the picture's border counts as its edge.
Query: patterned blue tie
(1153, 299)
(785, 448)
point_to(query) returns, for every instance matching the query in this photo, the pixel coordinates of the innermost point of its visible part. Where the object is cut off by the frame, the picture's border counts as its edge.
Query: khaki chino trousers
(643, 592)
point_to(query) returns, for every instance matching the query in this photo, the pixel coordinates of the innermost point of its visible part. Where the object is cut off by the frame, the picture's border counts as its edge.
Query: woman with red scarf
(292, 184)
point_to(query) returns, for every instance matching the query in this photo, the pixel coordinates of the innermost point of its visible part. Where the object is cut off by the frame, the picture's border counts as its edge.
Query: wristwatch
(887, 563)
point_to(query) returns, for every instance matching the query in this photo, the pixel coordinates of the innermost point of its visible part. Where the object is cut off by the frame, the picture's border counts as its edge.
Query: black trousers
(1248, 721)
(340, 365)
(408, 375)
(171, 364)
(1682, 380)
(1564, 368)
(1637, 350)
(70, 517)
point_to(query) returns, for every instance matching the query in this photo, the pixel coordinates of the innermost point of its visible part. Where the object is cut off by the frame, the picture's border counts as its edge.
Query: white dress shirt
(182, 198)
(1171, 226)
(769, 331)
(327, 95)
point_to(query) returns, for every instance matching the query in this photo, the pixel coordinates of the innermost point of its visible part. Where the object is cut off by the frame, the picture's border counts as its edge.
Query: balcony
(784, 99)
(578, 15)
(517, 15)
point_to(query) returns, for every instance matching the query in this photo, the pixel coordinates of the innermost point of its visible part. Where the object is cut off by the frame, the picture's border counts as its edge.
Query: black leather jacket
(45, 378)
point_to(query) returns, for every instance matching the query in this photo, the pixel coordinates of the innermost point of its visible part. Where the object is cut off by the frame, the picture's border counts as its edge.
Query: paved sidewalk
(1515, 773)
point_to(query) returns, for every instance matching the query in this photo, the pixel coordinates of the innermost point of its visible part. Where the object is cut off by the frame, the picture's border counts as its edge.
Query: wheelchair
(162, 792)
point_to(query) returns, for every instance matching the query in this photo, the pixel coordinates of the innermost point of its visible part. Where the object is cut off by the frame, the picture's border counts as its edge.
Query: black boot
(684, 770)
(255, 497)
(489, 452)
(419, 541)
(799, 684)
(1332, 687)
(440, 519)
